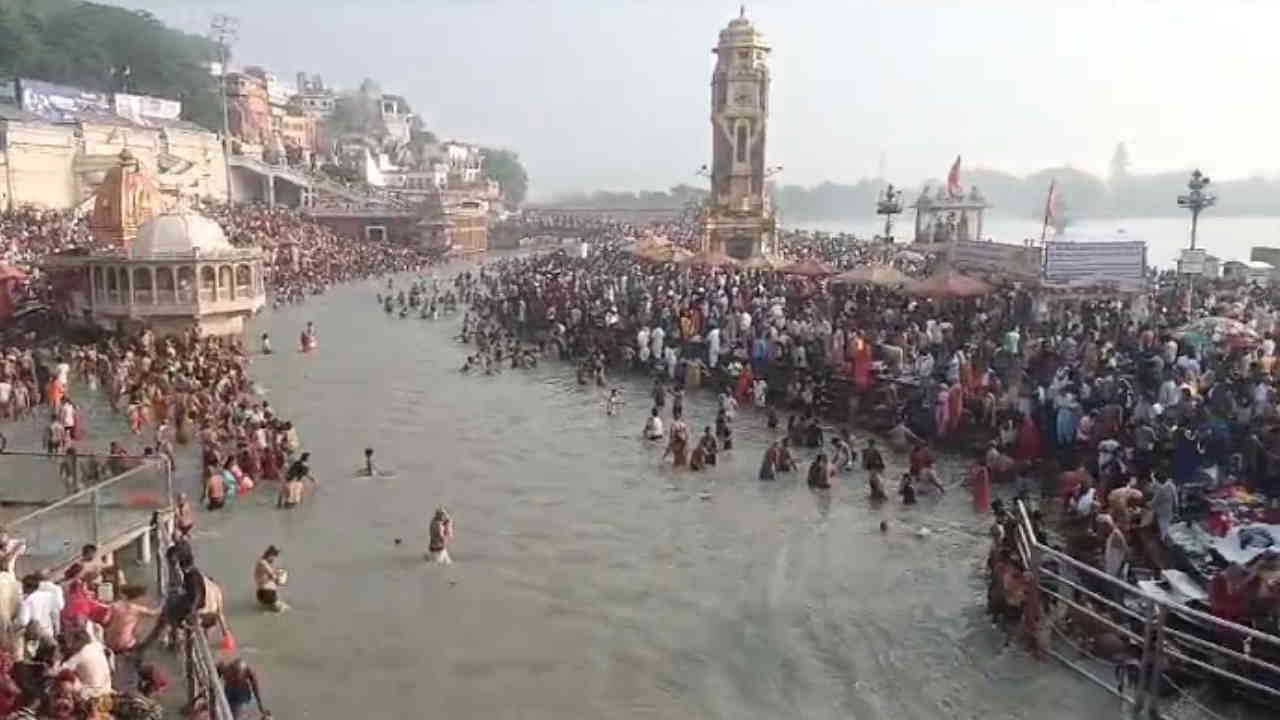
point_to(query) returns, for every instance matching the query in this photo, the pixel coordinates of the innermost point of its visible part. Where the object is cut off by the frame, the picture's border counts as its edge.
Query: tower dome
(179, 233)
(740, 33)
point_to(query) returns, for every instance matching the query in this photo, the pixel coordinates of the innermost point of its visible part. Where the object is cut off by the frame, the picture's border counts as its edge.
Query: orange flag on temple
(953, 180)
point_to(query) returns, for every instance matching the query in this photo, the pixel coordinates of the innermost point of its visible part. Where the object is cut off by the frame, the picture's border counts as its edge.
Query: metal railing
(199, 664)
(1181, 647)
(104, 510)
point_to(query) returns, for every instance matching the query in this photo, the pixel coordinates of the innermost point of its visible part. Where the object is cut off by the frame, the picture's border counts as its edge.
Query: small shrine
(946, 217)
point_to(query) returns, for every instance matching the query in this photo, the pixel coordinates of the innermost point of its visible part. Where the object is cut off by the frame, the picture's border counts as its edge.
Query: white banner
(142, 108)
(1095, 263)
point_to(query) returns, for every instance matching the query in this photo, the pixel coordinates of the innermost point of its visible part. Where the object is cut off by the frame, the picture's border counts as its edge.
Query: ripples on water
(590, 580)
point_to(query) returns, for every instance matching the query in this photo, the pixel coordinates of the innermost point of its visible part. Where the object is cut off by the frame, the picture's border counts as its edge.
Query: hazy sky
(600, 94)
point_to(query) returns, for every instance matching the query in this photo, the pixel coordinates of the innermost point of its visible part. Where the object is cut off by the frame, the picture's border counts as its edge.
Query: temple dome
(179, 233)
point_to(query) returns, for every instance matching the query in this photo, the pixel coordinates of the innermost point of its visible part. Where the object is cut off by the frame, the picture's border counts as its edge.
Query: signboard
(1191, 262)
(143, 109)
(1118, 262)
(999, 259)
(59, 103)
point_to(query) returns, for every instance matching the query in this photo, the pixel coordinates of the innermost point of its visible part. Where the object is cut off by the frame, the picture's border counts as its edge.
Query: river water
(589, 580)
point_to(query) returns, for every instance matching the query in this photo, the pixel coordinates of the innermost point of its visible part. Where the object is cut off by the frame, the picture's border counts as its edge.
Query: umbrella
(808, 268)
(1218, 328)
(878, 275)
(761, 262)
(710, 259)
(948, 284)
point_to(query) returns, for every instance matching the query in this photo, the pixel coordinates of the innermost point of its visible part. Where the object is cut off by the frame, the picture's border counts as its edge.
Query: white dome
(179, 233)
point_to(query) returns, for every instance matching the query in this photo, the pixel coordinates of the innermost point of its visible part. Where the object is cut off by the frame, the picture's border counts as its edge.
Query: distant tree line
(1081, 194)
(104, 48)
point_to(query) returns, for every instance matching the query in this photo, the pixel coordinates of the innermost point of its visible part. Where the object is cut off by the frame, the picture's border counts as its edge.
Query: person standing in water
(266, 344)
(240, 685)
(308, 340)
(613, 402)
(267, 579)
(873, 463)
(653, 426)
(440, 532)
(678, 446)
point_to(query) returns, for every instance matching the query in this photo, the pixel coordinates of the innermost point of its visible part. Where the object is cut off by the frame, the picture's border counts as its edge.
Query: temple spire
(742, 11)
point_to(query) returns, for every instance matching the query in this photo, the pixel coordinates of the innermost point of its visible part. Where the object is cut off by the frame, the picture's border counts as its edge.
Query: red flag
(953, 180)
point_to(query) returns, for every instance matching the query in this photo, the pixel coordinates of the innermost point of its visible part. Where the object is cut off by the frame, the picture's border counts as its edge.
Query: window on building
(742, 142)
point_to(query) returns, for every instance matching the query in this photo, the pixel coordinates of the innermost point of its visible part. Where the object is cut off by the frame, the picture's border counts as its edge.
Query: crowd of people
(70, 644)
(1110, 418)
(1104, 415)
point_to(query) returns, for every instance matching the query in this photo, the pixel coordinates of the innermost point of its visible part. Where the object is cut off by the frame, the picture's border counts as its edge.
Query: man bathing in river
(267, 579)
(440, 531)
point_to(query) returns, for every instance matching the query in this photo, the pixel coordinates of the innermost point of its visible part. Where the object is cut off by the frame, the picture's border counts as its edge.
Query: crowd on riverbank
(1127, 420)
(169, 392)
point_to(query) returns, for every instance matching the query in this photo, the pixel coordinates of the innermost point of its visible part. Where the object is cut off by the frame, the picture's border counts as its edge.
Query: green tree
(88, 45)
(504, 167)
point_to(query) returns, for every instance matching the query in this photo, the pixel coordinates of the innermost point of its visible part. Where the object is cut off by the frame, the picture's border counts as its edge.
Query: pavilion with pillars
(169, 270)
(179, 272)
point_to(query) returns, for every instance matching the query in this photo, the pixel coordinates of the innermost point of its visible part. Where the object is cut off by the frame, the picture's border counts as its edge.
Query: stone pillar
(271, 190)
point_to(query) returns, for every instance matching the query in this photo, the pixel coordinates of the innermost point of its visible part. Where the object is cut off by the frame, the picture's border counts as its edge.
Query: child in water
(266, 344)
(613, 402)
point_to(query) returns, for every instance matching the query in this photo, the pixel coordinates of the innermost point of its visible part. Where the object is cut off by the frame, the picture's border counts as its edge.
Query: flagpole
(1048, 206)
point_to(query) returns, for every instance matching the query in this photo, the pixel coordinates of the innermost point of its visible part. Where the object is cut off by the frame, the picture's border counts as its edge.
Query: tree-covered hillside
(108, 49)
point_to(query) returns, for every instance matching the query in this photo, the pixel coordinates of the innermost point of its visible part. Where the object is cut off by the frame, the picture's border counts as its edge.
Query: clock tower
(739, 221)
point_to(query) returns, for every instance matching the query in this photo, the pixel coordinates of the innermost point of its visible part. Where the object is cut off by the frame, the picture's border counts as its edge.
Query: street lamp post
(223, 30)
(888, 205)
(1197, 200)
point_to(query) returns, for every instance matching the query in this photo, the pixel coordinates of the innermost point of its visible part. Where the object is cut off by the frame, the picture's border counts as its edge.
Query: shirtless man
(267, 579)
(441, 530)
(184, 516)
(240, 684)
(873, 463)
(290, 493)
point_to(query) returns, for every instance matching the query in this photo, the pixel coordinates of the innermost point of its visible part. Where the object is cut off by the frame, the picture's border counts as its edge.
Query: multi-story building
(314, 99)
(396, 118)
(248, 107)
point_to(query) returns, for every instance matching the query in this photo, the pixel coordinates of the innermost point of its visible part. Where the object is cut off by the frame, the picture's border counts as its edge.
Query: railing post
(94, 503)
(1152, 691)
(1141, 687)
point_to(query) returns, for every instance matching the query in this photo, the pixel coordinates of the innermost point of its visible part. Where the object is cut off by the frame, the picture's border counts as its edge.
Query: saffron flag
(1051, 204)
(953, 180)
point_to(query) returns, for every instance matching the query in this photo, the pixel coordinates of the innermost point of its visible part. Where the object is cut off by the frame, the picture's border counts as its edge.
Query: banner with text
(59, 103)
(1120, 262)
(143, 109)
(996, 259)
